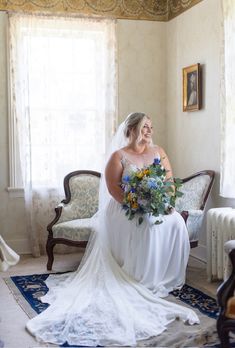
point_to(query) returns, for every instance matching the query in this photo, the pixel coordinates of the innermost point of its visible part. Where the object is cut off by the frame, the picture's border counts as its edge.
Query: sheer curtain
(227, 181)
(63, 101)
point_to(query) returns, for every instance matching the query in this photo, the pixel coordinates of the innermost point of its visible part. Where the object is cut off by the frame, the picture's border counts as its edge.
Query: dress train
(101, 305)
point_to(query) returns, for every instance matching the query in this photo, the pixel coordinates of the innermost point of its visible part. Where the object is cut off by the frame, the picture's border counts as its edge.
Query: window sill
(15, 192)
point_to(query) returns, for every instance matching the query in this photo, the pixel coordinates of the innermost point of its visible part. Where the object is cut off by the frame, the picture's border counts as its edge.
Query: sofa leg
(49, 248)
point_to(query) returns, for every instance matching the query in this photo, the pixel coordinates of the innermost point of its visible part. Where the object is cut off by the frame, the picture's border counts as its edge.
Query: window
(227, 181)
(62, 73)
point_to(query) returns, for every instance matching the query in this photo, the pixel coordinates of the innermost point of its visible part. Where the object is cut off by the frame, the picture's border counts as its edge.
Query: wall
(193, 138)
(151, 56)
(141, 76)
(142, 71)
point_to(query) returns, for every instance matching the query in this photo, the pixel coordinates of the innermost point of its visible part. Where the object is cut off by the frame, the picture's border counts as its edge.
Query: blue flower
(156, 161)
(133, 190)
(126, 179)
(152, 183)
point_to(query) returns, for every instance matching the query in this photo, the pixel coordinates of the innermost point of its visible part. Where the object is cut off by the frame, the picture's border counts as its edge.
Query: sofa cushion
(76, 230)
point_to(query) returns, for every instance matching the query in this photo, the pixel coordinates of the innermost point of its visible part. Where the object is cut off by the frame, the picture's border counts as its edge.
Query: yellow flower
(129, 197)
(134, 205)
(140, 174)
(146, 172)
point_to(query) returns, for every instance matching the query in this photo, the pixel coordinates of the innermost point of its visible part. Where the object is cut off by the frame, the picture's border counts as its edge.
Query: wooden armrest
(184, 215)
(58, 211)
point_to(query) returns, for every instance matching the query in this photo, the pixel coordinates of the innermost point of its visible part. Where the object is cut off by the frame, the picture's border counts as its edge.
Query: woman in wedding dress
(114, 298)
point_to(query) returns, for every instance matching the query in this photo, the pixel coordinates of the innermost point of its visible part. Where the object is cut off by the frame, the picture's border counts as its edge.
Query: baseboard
(20, 246)
(199, 253)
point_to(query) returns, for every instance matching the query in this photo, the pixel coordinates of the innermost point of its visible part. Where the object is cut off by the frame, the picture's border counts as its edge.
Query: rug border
(25, 305)
(19, 298)
(31, 312)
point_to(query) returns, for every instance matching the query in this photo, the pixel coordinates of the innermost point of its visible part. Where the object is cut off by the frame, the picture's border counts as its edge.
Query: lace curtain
(227, 180)
(62, 73)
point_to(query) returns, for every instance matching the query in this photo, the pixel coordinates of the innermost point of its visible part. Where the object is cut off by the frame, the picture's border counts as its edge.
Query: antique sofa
(72, 222)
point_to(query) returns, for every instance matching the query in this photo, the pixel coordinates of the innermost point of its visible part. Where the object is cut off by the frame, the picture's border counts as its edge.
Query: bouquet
(147, 191)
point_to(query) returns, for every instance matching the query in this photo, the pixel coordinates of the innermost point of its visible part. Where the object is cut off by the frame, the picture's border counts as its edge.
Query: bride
(115, 296)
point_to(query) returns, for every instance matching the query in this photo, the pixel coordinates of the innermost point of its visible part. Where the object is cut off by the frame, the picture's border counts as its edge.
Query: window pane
(60, 80)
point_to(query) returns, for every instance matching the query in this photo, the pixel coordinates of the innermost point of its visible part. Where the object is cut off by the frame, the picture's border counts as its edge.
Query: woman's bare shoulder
(159, 149)
(120, 153)
(116, 156)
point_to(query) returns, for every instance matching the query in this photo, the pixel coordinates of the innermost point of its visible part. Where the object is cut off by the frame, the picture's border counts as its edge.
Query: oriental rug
(28, 289)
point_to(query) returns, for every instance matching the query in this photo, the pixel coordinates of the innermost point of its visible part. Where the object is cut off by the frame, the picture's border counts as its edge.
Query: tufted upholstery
(72, 224)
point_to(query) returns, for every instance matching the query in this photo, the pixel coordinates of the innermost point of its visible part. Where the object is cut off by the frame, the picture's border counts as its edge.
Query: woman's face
(147, 131)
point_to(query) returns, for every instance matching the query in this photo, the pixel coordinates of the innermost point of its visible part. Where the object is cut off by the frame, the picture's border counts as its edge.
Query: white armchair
(191, 205)
(72, 223)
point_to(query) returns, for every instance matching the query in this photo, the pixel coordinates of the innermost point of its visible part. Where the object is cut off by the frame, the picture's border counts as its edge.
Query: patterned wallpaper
(176, 7)
(156, 10)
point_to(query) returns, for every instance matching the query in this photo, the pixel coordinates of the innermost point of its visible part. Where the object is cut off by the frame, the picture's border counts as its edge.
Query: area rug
(28, 289)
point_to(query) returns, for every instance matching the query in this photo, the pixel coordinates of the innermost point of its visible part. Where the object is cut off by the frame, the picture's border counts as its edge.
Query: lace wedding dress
(8, 257)
(107, 301)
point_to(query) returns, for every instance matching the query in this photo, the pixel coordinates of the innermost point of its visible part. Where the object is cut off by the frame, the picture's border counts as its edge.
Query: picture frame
(192, 88)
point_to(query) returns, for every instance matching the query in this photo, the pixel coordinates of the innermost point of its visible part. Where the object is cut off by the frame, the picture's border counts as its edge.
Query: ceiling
(155, 10)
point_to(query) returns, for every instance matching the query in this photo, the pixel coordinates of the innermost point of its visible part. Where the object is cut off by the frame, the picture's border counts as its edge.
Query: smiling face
(147, 131)
(138, 128)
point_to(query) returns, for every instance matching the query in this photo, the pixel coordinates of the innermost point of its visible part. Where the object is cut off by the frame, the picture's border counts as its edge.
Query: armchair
(72, 223)
(191, 205)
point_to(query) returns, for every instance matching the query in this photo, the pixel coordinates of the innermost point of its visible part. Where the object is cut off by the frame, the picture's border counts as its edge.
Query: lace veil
(99, 236)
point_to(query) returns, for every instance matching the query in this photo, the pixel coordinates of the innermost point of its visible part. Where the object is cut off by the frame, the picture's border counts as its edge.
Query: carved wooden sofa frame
(186, 213)
(52, 241)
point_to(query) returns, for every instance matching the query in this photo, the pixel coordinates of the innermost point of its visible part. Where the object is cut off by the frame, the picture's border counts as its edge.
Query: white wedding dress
(107, 301)
(154, 255)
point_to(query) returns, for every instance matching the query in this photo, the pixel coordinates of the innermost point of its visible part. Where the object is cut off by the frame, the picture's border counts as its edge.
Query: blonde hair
(135, 122)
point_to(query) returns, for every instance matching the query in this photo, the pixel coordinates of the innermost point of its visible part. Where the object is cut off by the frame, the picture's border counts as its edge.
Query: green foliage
(147, 191)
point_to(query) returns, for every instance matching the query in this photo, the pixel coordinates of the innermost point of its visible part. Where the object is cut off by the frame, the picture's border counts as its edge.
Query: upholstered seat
(191, 205)
(72, 223)
(76, 230)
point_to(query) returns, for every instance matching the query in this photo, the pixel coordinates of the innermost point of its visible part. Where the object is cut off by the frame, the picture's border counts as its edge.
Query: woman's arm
(113, 176)
(166, 163)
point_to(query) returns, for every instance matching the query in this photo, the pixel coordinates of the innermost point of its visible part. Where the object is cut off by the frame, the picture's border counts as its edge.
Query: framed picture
(191, 88)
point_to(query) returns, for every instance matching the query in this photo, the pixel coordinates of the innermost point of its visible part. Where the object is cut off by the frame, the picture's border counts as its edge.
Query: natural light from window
(60, 87)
